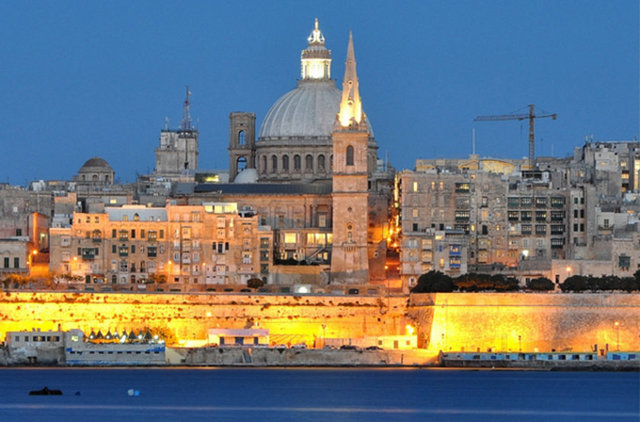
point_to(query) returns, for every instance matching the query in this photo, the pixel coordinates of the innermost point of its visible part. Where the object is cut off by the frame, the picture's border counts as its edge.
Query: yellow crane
(515, 116)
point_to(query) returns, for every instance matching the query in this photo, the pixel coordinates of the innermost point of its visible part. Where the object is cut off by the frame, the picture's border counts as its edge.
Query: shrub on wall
(434, 282)
(540, 284)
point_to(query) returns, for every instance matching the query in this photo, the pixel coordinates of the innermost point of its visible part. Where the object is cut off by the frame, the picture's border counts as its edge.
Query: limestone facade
(177, 247)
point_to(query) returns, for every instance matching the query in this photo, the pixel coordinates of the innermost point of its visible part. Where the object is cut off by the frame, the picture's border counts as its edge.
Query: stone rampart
(443, 321)
(528, 321)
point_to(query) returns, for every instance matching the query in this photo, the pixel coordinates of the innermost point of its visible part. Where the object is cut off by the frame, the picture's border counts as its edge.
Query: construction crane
(531, 116)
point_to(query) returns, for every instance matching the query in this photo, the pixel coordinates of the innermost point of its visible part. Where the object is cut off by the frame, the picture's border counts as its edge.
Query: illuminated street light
(617, 325)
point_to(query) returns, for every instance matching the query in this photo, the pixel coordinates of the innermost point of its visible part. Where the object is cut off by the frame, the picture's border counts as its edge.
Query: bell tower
(349, 256)
(242, 142)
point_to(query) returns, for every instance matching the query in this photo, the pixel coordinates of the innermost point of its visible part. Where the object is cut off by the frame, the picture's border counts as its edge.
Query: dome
(307, 111)
(246, 176)
(95, 163)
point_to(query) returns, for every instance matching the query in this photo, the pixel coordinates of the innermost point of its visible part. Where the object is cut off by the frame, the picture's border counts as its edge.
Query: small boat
(45, 392)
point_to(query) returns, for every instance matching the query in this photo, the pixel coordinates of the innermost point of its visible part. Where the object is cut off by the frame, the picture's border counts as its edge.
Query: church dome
(307, 111)
(95, 163)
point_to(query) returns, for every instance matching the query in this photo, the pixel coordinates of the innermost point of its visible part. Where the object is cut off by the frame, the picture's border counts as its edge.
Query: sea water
(221, 394)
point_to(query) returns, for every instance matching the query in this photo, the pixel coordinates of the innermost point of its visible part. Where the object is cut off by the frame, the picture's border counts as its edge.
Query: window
(462, 187)
(624, 262)
(152, 251)
(415, 186)
(285, 162)
(142, 234)
(513, 202)
(308, 165)
(16, 262)
(541, 229)
(242, 137)
(541, 202)
(290, 238)
(274, 163)
(114, 233)
(513, 215)
(123, 250)
(296, 162)
(133, 233)
(264, 164)
(321, 163)
(349, 157)
(161, 236)
(462, 215)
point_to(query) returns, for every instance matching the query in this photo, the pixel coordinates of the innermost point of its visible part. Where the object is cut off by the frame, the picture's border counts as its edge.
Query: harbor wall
(528, 321)
(443, 321)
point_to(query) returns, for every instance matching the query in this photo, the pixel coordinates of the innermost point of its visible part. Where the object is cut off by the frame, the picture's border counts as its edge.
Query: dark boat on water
(45, 392)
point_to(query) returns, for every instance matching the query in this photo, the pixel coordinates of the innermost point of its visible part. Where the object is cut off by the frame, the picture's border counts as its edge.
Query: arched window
(321, 162)
(285, 162)
(296, 162)
(349, 232)
(308, 162)
(241, 163)
(264, 163)
(331, 162)
(274, 163)
(94, 178)
(349, 155)
(114, 279)
(241, 137)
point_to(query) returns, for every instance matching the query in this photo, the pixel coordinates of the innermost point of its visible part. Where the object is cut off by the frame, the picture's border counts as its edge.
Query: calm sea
(318, 395)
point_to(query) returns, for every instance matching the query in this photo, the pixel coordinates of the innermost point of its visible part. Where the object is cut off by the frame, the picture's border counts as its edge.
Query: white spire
(350, 113)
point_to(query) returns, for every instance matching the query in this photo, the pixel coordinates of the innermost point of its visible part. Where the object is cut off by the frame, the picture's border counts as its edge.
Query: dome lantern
(315, 60)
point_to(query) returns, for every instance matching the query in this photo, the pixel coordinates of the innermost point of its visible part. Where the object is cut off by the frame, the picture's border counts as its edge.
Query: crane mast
(531, 115)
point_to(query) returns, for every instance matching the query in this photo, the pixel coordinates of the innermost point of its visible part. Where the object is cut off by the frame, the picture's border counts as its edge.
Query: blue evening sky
(96, 78)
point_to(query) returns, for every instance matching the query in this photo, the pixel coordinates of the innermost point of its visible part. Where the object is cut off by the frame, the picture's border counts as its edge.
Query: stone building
(177, 248)
(482, 215)
(95, 172)
(177, 155)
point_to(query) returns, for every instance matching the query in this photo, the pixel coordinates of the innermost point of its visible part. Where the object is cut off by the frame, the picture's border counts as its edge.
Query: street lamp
(617, 325)
(520, 342)
(324, 334)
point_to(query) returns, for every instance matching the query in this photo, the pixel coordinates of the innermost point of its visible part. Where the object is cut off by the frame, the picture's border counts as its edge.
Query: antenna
(186, 115)
(473, 141)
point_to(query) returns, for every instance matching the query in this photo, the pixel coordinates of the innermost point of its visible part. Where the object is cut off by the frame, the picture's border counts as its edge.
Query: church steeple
(316, 59)
(350, 114)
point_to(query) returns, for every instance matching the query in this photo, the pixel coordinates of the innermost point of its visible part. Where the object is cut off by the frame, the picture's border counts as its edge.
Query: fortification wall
(290, 319)
(443, 321)
(528, 321)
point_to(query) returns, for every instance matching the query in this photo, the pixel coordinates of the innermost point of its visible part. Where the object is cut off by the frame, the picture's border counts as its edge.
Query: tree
(540, 284)
(575, 283)
(255, 283)
(434, 282)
